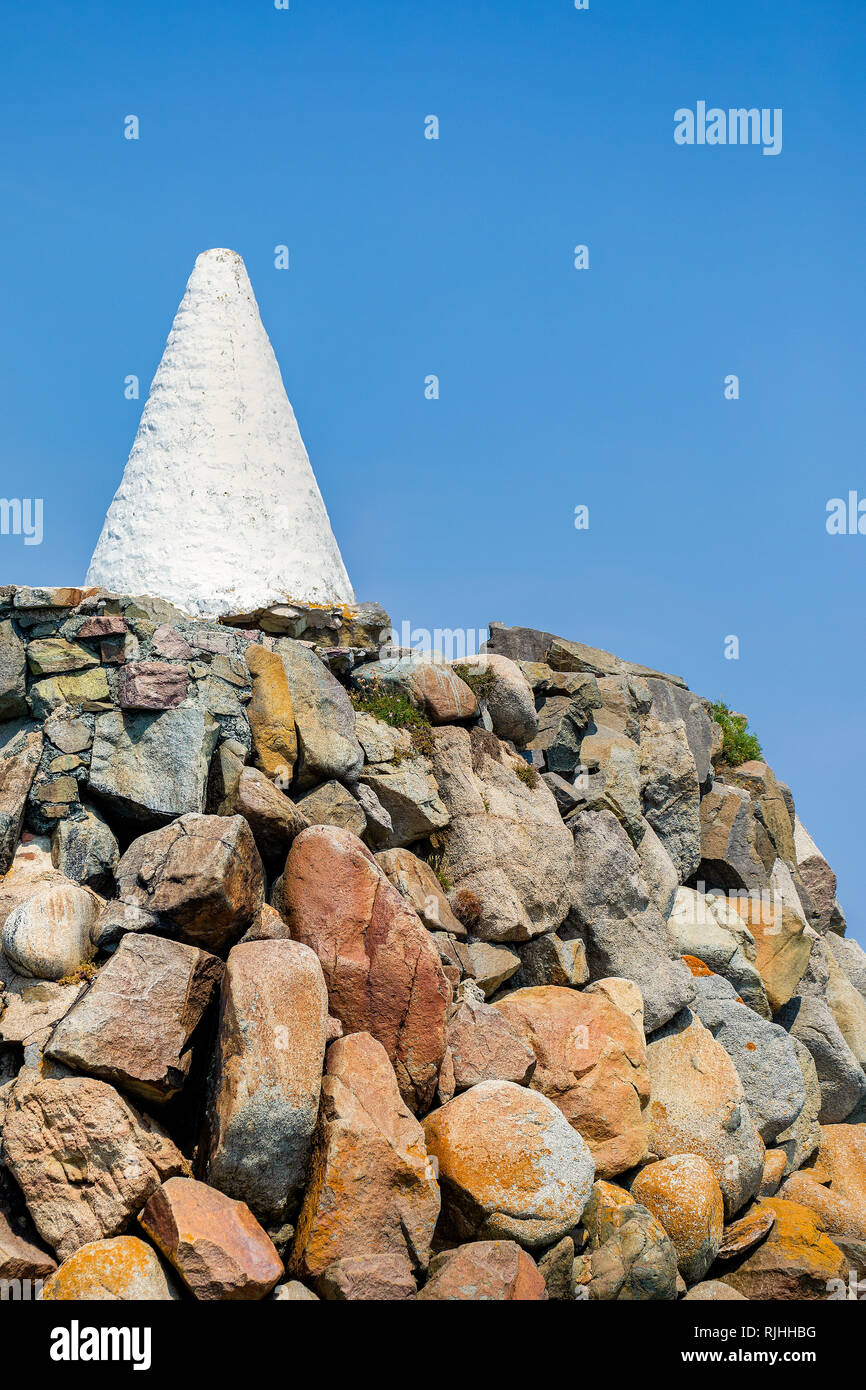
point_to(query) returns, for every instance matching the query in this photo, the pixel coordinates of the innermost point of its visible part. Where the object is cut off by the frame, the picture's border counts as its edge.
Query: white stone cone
(218, 510)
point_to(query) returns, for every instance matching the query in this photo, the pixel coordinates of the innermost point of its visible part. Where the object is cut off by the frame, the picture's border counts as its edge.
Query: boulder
(548, 960)
(591, 1064)
(485, 1271)
(671, 703)
(134, 1026)
(683, 1195)
(418, 884)
(850, 958)
(274, 820)
(216, 1245)
(771, 809)
(624, 933)
(333, 804)
(48, 935)
(762, 1052)
(84, 849)
(510, 1165)
(78, 1190)
(122, 1269)
(406, 790)
(271, 714)
(200, 876)
(485, 1046)
(707, 929)
(264, 1086)
(634, 1261)
(508, 696)
(151, 685)
(729, 834)
(293, 1291)
(489, 966)
(819, 881)
(13, 673)
(22, 1254)
(801, 1139)
(670, 792)
(372, 1191)
(148, 767)
(714, 1291)
(430, 684)
(612, 760)
(835, 1190)
(848, 1007)
(659, 871)
(698, 1106)
(841, 1078)
(747, 1232)
(20, 751)
(382, 970)
(797, 1260)
(324, 719)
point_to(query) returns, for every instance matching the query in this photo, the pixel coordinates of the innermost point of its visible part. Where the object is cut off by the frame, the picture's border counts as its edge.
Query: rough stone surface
(419, 885)
(85, 1160)
(485, 1271)
(122, 1269)
(151, 766)
(819, 880)
(714, 1291)
(135, 1024)
(85, 850)
(381, 968)
(591, 1064)
(683, 1195)
(505, 841)
(697, 1106)
(510, 1166)
(271, 714)
(632, 1259)
(509, 700)
(13, 673)
(485, 1046)
(704, 927)
(796, 1261)
(324, 718)
(274, 820)
(670, 792)
(333, 804)
(48, 934)
(372, 1191)
(215, 1244)
(624, 933)
(841, 1078)
(20, 751)
(151, 685)
(264, 1092)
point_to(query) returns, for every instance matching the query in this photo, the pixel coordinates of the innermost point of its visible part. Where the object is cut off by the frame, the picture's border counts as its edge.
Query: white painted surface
(218, 510)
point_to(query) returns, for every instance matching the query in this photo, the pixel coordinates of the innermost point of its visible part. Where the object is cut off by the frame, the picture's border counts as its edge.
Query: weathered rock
(775, 1167)
(591, 1064)
(200, 876)
(796, 1261)
(505, 842)
(85, 850)
(818, 879)
(548, 960)
(670, 792)
(635, 1260)
(613, 761)
(624, 934)
(49, 656)
(368, 1278)
(48, 934)
(271, 714)
(749, 1231)
(13, 673)
(485, 1271)
(382, 970)
(509, 700)
(20, 752)
(293, 1291)
(430, 684)
(264, 1091)
(324, 718)
(729, 853)
(850, 958)
(697, 1106)
(419, 885)
(372, 1191)
(800, 1141)
(847, 1006)
(706, 928)
(151, 685)
(84, 690)
(407, 792)
(673, 702)
(841, 1078)
(781, 944)
(333, 804)
(274, 820)
(714, 1291)
(121, 1269)
(527, 644)
(489, 966)
(762, 1052)
(835, 1190)
(510, 1166)
(215, 1244)
(85, 1160)
(556, 1268)
(135, 1024)
(659, 871)
(562, 721)
(22, 1254)
(69, 732)
(770, 805)
(485, 1046)
(683, 1195)
(151, 766)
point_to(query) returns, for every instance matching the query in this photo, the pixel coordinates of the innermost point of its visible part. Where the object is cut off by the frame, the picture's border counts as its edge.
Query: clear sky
(411, 257)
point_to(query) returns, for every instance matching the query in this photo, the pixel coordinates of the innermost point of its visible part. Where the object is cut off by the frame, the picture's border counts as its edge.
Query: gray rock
(670, 792)
(528, 644)
(729, 834)
(85, 850)
(548, 960)
(488, 965)
(505, 842)
(510, 700)
(407, 791)
(802, 1139)
(673, 702)
(324, 717)
(150, 767)
(819, 880)
(616, 760)
(624, 933)
(48, 935)
(20, 751)
(13, 673)
(706, 928)
(333, 804)
(851, 959)
(840, 1076)
(762, 1052)
(637, 1261)
(659, 870)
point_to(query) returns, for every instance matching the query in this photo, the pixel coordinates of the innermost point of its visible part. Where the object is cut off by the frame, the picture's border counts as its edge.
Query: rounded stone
(48, 935)
(683, 1195)
(122, 1269)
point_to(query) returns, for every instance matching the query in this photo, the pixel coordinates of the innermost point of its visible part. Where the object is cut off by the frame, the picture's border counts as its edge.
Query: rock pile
(334, 972)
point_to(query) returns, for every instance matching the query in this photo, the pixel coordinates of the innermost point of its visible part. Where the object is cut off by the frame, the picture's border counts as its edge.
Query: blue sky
(411, 257)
